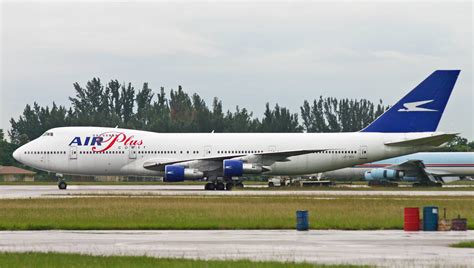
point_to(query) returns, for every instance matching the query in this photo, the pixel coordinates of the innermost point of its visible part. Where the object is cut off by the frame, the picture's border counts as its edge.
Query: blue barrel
(302, 223)
(430, 218)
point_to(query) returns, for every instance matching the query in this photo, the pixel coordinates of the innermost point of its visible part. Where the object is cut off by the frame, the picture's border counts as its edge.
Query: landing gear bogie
(210, 186)
(221, 186)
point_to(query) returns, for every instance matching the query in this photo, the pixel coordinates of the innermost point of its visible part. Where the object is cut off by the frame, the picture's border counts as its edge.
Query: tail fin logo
(415, 107)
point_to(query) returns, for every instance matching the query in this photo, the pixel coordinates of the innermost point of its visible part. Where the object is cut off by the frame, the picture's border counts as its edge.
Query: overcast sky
(247, 54)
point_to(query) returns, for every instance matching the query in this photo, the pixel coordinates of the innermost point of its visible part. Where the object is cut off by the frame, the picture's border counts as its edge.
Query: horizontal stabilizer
(434, 140)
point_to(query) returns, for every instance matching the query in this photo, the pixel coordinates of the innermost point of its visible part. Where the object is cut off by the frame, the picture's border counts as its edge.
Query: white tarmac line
(51, 191)
(392, 248)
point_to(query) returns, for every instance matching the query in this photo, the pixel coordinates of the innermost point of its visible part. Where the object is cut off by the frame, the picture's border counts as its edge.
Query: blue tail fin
(421, 109)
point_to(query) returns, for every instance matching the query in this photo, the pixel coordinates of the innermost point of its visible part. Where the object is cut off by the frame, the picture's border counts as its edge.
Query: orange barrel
(412, 219)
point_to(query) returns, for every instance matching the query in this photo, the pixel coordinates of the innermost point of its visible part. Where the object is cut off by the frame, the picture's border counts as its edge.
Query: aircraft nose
(17, 155)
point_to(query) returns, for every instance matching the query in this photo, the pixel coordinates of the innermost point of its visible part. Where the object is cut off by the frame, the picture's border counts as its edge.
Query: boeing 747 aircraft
(223, 158)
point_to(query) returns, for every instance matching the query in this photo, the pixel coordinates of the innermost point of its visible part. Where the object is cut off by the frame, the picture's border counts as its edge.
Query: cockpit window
(48, 134)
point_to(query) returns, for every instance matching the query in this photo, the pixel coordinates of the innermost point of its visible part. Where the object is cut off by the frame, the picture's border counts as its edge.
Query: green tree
(279, 119)
(181, 111)
(35, 121)
(240, 121)
(201, 117)
(339, 115)
(160, 118)
(6, 151)
(144, 107)
(217, 116)
(459, 144)
(127, 100)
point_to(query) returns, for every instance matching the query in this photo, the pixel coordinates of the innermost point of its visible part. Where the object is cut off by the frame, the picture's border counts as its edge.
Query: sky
(243, 52)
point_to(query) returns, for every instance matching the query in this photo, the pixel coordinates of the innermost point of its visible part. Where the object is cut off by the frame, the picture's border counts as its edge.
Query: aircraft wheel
(62, 185)
(229, 186)
(239, 185)
(270, 184)
(209, 186)
(220, 186)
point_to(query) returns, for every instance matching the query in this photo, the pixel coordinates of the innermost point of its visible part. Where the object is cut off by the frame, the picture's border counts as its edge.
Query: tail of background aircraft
(421, 109)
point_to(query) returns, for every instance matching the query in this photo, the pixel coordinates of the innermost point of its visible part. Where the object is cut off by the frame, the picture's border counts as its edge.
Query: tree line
(121, 104)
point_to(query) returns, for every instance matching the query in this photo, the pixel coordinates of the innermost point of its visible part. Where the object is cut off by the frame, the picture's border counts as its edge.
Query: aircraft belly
(309, 164)
(294, 166)
(346, 173)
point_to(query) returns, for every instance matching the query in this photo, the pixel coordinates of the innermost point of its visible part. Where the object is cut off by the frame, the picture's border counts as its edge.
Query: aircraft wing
(266, 157)
(414, 168)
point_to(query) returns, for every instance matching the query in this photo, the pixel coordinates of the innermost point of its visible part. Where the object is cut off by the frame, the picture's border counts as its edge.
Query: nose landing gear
(62, 185)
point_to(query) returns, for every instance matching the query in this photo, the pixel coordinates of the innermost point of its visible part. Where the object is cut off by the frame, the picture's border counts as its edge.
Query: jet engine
(382, 174)
(176, 173)
(236, 168)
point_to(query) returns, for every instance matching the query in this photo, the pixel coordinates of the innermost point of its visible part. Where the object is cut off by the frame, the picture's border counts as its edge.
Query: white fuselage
(72, 150)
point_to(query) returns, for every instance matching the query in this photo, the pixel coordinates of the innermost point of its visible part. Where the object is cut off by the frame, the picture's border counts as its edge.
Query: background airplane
(423, 168)
(408, 126)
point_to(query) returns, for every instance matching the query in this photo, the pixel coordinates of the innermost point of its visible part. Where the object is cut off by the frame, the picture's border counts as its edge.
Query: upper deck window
(48, 134)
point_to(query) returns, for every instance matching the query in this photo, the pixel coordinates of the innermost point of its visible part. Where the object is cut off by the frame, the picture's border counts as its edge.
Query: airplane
(224, 158)
(430, 168)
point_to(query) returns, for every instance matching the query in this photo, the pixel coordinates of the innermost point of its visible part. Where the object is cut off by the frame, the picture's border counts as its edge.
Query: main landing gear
(220, 186)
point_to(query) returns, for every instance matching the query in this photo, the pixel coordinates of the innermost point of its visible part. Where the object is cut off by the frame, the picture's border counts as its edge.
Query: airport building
(11, 173)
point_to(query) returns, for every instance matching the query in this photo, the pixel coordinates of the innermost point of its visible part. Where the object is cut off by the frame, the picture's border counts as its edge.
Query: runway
(380, 248)
(52, 191)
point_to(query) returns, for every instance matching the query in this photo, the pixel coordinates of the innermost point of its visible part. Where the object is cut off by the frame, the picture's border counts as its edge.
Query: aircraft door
(363, 152)
(44, 159)
(72, 152)
(271, 148)
(132, 154)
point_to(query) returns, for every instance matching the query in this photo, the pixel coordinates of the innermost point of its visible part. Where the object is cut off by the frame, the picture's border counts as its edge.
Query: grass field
(193, 212)
(346, 187)
(75, 260)
(467, 244)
